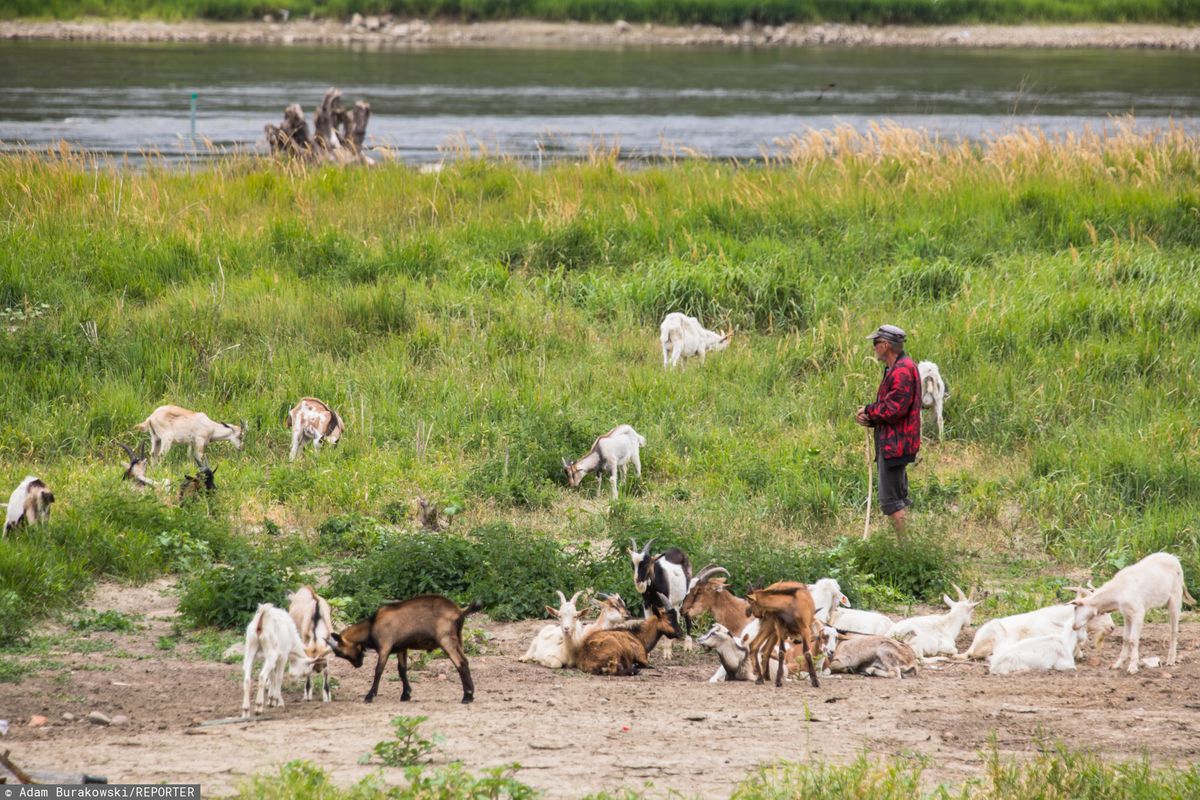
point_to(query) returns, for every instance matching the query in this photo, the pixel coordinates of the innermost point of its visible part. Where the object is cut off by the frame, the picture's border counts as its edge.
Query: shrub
(111, 620)
(918, 567)
(348, 533)
(227, 595)
(408, 748)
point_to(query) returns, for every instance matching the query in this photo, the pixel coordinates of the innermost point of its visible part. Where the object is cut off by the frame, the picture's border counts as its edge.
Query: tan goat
(787, 611)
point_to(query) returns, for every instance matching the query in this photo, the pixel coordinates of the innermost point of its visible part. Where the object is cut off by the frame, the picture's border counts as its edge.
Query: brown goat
(625, 649)
(786, 610)
(425, 622)
(711, 594)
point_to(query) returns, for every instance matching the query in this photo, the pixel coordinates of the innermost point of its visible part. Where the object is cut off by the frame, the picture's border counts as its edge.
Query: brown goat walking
(625, 649)
(786, 610)
(425, 622)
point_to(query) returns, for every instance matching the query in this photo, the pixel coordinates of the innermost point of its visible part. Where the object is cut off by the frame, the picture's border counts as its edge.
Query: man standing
(896, 417)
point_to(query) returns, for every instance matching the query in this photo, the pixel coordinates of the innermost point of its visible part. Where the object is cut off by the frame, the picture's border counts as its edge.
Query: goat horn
(562, 598)
(575, 596)
(646, 549)
(633, 545)
(1090, 586)
(603, 595)
(961, 596)
(665, 600)
(128, 452)
(707, 572)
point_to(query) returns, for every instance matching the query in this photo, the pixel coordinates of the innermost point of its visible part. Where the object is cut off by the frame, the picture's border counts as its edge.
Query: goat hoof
(404, 698)
(369, 698)
(468, 699)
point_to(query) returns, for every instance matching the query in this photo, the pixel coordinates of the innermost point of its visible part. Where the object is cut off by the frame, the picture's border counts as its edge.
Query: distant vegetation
(679, 12)
(475, 326)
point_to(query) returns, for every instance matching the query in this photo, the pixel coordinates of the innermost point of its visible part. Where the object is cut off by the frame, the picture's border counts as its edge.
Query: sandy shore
(388, 31)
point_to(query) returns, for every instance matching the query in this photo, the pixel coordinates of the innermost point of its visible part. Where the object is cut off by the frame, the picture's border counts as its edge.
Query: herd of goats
(759, 637)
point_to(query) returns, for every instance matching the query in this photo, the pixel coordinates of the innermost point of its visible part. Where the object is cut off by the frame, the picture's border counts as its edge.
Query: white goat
(312, 419)
(933, 390)
(28, 504)
(170, 424)
(1040, 653)
(868, 623)
(1049, 621)
(935, 634)
(1154, 581)
(311, 614)
(613, 451)
(827, 596)
(272, 633)
(683, 336)
(550, 647)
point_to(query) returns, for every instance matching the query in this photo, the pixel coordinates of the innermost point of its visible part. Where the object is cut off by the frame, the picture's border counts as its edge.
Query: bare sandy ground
(574, 733)
(388, 31)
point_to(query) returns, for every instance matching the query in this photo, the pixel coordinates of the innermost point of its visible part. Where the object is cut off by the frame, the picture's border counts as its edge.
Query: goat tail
(1187, 598)
(144, 425)
(257, 621)
(287, 420)
(471, 608)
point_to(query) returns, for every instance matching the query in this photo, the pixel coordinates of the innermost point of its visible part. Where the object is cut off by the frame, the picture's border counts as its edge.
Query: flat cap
(889, 333)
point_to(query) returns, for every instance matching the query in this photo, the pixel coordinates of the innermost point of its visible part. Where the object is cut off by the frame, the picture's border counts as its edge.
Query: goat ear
(844, 601)
(553, 611)
(336, 637)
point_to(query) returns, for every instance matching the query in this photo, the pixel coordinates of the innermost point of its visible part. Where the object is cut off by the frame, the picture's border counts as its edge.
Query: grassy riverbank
(475, 326)
(670, 12)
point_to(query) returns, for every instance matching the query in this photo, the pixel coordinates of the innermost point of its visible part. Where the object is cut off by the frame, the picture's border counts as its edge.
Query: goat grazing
(878, 656)
(787, 611)
(1154, 581)
(311, 613)
(936, 634)
(611, 453)
(136, 471)
(170, 424)
(624, 649)
(273, 634)
(203, 482)
(310, 419)
(933, 391)
(682, 336)
(664, 576)
(1039, 653)
(28, 504)
(425, 622)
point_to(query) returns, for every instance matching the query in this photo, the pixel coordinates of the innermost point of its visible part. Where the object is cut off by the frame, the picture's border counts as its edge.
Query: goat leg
(402, 670)
(380, 663)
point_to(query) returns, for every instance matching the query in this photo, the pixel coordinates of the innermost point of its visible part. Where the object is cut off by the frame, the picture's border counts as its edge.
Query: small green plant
(408, 748)
(111, 620)
(214, 645)
(167, 643)
(12, 671)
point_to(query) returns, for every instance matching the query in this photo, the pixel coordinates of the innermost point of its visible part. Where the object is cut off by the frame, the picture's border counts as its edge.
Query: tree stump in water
(326, 143)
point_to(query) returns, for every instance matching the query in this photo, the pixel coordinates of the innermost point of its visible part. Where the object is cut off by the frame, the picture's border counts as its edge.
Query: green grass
(512, 316)
(718, 12)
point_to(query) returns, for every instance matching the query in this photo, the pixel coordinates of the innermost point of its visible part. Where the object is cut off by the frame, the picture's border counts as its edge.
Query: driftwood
(39, 776)
(337, 134)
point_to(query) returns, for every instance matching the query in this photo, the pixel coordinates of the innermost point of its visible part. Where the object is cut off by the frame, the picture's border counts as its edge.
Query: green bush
(918, 567)
(349, 534)
(227, 595)
(407, 748)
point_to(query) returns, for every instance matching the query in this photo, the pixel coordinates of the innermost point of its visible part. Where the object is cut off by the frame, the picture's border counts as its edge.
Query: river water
(124, 99)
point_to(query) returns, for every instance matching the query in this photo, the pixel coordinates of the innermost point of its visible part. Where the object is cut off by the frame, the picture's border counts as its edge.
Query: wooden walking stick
(870, 485)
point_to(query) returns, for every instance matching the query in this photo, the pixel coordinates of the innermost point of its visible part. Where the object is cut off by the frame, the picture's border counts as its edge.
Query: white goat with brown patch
(135, 473)
(1156, 580)
(28, 504)
(311, 613)
(611, 453)
(312, 420)
(170, 424)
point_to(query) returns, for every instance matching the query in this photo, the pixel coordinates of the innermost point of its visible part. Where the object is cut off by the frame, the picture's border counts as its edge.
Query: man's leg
(898, 521)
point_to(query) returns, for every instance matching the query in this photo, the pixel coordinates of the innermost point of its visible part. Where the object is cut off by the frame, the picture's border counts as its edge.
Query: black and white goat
(28, 504)
(135, 473)
(666, 575)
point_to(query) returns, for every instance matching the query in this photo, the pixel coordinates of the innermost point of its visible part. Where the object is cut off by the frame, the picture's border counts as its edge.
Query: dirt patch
(574, 733)
(388, 31)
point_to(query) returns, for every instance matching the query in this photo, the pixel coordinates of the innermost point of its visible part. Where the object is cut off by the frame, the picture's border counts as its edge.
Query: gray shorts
(893, 486)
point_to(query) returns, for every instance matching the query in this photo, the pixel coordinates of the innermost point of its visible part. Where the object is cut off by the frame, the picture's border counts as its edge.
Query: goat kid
(733, 653)
(170, 424)
(933, 391)
(666, 577)
(425, 622)
(312, 420)
(272, 633)
(1154, 581)
(611, 453)
(28, 504)
(682, 336)
(787, 611)
(936, 634)
(311, 614)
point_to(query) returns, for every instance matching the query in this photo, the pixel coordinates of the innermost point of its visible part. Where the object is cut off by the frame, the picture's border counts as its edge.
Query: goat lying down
(1039, 654)
(877, 656)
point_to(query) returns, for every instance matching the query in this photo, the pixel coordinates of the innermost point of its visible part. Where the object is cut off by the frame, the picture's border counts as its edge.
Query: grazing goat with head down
(272, 633)
(610, 454)
(663, 578)
(170, 424)
(311, 419)
(28, 504)
(312, 616)
(682, 336)
(425, 622)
